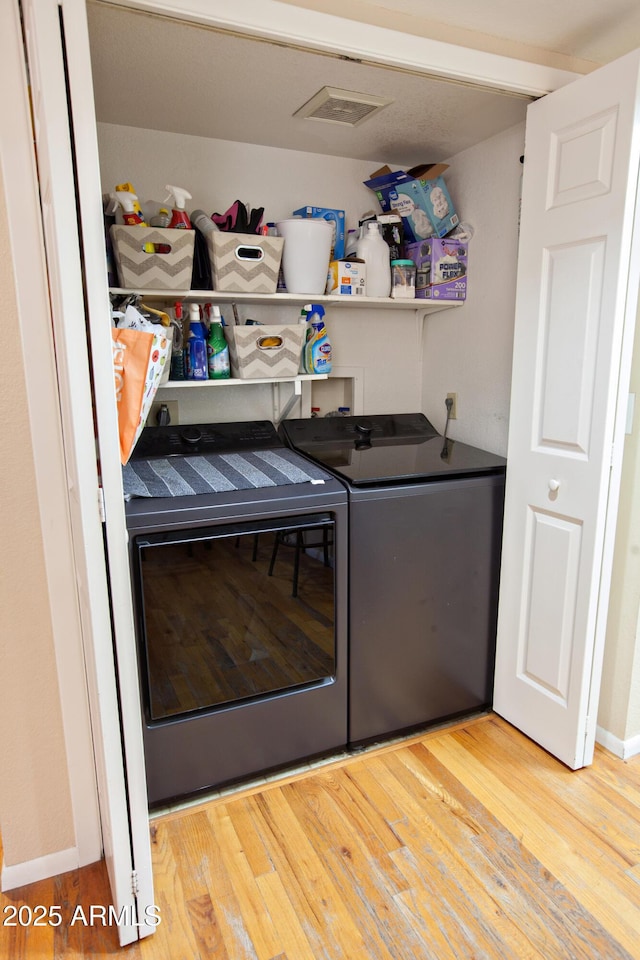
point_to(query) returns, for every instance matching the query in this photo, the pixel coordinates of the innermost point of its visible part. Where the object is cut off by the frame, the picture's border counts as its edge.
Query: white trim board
(322, 31)
(624, 749)
(31, 871)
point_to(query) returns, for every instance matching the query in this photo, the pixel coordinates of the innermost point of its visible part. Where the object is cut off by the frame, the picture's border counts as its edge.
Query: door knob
(554, 485)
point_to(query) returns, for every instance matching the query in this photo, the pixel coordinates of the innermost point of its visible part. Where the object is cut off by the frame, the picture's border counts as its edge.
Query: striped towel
(216, 473)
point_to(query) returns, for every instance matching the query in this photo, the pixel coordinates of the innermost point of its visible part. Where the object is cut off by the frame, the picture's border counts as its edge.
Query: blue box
(423, 202)
(336, 217)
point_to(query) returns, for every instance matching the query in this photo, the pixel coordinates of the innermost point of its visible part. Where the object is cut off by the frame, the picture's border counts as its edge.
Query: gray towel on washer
(216, 473)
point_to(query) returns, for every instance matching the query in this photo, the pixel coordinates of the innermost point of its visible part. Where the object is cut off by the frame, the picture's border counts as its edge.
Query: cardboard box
(336, 217)
(167, 267)
(347, 278)
(265, 350)
(244, 262)
(421, 198)
(441, 268)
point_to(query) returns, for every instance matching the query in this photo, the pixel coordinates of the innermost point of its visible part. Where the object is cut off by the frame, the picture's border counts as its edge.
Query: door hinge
(134, 883)
(103, 516)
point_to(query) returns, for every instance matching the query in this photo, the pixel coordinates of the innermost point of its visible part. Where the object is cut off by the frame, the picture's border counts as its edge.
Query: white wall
(619, 711)
(36, 814)
(381, 349)
(468, 350)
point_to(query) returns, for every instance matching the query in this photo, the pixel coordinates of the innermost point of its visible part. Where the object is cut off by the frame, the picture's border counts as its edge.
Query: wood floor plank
(551, 917)
(206, 928)
(547, 841)
(243, 814)
(289, 924)
(612, 819)
(591, 825)
(331, 926)
(256, 919)
(174, 934)
(19, 937)
(440, 835)
(463, 843)
(365, 884)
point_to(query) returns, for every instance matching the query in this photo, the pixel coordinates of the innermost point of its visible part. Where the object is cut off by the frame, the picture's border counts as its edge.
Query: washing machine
(239, 564)
(425, 533)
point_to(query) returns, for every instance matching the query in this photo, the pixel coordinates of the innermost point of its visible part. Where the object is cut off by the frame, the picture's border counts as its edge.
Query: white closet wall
(382, 349)
(468, 350)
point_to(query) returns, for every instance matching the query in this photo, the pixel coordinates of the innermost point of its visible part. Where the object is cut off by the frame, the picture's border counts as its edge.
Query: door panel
(575, 316)
(572, 288)
(56, 38)
(552, 558)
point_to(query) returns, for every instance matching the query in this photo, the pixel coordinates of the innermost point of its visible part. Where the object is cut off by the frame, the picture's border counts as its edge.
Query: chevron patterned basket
(139, 269)
(263, 350)
(244, 263)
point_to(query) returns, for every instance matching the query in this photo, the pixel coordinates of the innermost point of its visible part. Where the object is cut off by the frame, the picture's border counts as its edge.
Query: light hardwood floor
(465, 843)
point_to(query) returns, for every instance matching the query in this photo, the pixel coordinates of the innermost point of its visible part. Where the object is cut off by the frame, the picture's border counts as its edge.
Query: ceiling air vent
(341, 106)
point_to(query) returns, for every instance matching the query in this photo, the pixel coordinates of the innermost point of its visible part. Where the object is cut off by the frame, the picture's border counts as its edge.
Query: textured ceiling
(192, 80)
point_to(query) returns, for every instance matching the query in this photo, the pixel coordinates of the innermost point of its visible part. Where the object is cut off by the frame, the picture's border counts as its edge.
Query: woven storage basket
(265, 350)
(244, 263)
(141, 269)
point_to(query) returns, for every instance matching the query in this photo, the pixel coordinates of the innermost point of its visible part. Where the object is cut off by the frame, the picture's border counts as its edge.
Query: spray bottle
(177, 345)
(127, 189)
(217, 348)
(179, 218)
(129, 202)
(196, 346)
(318, 348)
(304, 319)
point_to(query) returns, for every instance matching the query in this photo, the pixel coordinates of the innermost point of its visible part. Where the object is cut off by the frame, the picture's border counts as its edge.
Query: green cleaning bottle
(217, 349)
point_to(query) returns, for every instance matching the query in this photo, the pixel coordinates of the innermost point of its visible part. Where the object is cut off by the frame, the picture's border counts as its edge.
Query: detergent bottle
(217, 349)
(304, 319)
(196, 346)
(179, 217)
(373, 249)
(318, 348)
(128, 202)
(177, 371)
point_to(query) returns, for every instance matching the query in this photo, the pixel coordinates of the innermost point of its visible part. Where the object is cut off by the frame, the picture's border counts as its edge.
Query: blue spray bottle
(317, 354)
(197, 368)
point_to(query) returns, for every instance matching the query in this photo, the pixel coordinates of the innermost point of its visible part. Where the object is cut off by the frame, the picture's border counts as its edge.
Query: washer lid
(385, 449)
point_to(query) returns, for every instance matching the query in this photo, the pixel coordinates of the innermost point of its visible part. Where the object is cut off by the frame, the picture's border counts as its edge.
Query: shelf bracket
(282, 414)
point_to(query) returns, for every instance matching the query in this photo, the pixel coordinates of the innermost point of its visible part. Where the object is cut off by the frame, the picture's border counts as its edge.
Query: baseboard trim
(19, 874)
(625, 749)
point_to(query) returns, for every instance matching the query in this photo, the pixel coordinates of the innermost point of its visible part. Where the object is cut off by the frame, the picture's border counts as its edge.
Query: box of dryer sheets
(421, 198)
(441, 268)
(346, 278)
(336, 218)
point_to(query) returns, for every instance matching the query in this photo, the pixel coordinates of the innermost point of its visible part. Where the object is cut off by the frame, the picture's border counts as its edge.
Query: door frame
(282, 23)
(313, 30)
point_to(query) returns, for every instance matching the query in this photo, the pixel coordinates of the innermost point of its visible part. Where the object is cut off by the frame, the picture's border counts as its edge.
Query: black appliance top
(387, 448)
(195, 439)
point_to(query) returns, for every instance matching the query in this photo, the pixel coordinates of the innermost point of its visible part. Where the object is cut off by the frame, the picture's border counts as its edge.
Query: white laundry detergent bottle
(374, 250)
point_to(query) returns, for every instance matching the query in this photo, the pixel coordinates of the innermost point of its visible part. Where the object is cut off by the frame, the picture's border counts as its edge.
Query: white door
(57, 52)
(576, 306)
